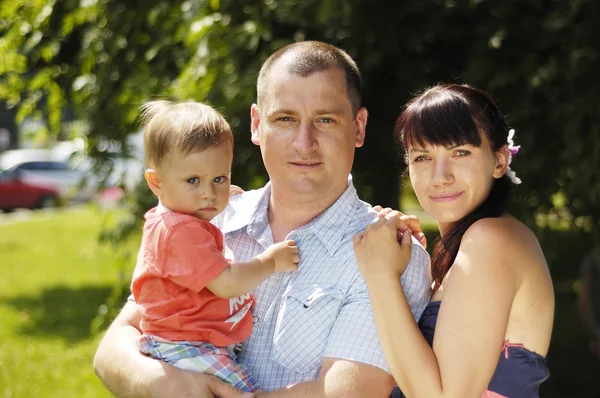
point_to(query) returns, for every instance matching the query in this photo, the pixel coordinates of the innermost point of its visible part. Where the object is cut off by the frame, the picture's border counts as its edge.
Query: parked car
(119, 167)
(16, 193)
(41, 168)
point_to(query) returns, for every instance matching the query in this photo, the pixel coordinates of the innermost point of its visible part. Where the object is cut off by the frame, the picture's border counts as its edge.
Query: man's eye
(220, 180)
(326, 120)
(284, 119)
(193, 180)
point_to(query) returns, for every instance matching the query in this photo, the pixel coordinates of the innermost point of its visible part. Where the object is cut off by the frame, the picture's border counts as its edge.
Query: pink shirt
(180, 254)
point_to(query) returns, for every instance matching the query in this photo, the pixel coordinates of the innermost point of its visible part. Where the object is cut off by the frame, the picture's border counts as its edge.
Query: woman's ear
(502, 159)
(153, 180)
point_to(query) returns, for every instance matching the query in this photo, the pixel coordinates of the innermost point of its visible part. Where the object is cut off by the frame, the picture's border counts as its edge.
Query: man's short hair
(309, 57)
(184, 127)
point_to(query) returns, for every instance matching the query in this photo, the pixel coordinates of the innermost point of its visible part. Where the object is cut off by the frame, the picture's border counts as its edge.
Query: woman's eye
(193, 180)
(462, 153)
(420, 158)
(284, 119)
(220, 180)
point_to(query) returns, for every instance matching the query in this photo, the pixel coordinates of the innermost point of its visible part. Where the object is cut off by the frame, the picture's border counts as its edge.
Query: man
(313, 330)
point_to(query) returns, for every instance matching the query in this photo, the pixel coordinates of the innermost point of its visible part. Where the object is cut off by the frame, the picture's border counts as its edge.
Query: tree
(538, 57)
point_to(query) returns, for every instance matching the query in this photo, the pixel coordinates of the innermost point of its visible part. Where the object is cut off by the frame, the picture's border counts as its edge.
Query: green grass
(55, 276)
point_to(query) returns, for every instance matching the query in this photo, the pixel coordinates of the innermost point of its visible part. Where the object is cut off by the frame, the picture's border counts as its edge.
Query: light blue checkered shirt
(322, 309)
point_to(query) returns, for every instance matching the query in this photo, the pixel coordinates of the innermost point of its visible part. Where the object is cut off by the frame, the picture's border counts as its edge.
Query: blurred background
(74, 73)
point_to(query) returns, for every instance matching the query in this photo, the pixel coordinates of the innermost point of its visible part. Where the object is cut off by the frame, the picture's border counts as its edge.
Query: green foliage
(538, 57)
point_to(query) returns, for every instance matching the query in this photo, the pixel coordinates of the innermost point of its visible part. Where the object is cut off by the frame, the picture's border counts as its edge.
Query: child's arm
(241, 278)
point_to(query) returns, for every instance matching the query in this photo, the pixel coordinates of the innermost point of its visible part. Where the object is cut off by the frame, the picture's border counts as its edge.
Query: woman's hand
(235, 190)
(411, 221)
(383, 249)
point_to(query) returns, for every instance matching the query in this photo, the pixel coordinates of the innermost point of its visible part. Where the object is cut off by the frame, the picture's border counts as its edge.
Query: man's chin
(307, 186)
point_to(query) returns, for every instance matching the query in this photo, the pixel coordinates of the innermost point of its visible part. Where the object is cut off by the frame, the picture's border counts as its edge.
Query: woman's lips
(305, 164)
(445, 197)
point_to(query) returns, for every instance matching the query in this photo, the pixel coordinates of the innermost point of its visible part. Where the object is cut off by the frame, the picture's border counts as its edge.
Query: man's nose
(305, 138)
(442, 173)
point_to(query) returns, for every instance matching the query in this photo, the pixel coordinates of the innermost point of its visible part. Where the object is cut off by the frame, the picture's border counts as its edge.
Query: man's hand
(412, 222)
(180, 383)
(128, 373)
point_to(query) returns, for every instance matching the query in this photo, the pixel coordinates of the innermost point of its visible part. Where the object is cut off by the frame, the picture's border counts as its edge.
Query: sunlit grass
(55, 275)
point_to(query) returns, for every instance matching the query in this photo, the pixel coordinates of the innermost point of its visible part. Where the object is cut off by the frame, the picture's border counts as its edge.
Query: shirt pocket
(304, 322)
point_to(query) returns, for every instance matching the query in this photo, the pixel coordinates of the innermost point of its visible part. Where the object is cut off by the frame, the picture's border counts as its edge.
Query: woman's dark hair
(449, 115)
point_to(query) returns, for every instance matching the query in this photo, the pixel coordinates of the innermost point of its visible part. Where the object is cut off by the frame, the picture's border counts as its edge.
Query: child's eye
(192, 180)
(220, 179)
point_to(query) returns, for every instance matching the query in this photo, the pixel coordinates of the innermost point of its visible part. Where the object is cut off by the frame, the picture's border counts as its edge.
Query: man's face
(307, 132)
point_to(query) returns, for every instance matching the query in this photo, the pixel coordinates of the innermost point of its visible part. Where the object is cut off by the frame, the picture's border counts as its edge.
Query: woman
(487, 328)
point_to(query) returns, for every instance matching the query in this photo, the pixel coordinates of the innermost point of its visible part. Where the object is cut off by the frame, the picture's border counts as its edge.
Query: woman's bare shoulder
(506, 238)
(499, 230)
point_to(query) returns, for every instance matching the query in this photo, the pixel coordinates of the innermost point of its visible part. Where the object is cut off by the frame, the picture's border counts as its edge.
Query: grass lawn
(54, 278)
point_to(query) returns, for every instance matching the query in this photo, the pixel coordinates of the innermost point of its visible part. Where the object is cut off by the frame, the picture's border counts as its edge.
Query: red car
(17, 193)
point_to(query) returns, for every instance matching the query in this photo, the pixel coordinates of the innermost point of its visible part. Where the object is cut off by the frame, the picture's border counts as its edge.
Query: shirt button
(255, 319)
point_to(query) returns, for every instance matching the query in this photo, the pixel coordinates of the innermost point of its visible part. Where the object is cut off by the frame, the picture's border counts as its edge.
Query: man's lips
(447, 197)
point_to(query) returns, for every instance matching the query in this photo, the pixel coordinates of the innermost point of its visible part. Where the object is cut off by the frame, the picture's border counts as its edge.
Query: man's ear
(255, 122)
(361, 126)
(502, 157)
(153, 180)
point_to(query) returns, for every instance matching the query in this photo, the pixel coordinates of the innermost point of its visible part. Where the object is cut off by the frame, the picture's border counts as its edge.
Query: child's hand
(285, 256)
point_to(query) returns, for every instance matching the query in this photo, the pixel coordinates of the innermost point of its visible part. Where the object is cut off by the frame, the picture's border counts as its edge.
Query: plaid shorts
(199, 357)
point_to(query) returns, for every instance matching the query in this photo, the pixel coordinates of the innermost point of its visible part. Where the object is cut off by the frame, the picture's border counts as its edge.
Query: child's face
(198, 183)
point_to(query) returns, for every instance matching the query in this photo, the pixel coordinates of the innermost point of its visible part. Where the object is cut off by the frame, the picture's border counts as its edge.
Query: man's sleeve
(354, 336)
(416, 280)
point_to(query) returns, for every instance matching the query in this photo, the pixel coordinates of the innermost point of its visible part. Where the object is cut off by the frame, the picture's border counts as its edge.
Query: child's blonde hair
(185, 127)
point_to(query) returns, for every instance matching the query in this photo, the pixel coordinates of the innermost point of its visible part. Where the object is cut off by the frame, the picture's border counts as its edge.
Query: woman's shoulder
(499, 230)
(485, 258)
(503, 240)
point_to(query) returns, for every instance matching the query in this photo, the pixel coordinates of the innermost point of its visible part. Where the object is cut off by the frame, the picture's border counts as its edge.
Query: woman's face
(450, 182)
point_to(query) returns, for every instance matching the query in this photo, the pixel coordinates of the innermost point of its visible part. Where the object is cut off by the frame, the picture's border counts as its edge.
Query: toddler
(196, 303)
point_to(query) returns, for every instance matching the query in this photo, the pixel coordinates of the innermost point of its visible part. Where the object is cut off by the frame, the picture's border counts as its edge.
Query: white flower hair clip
(513, 150)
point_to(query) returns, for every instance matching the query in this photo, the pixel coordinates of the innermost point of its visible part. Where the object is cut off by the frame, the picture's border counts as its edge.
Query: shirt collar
(251, 212)
(161, 208)
(248, 210)
(331, 226)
